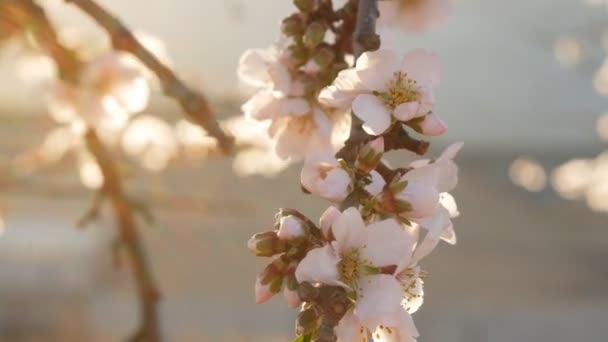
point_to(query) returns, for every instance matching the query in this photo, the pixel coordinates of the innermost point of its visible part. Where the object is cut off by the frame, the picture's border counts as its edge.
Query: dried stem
(69, 66)
(149, 330)
(194, 104)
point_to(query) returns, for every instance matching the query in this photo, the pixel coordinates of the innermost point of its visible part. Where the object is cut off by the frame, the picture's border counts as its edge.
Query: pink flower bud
(266, 244)
(262, 291)
(291, 297)
(432, 125)
(290, 228)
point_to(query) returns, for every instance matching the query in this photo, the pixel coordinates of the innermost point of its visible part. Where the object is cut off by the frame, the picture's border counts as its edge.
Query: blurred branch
(194, 104)
(70, 67)
(113, 188)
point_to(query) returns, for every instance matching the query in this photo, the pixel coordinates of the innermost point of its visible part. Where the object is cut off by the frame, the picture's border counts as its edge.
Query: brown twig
(70, 66)
(194, 104)
(146, 288)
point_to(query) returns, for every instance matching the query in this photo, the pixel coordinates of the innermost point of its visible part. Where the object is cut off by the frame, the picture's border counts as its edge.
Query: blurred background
(525, 87)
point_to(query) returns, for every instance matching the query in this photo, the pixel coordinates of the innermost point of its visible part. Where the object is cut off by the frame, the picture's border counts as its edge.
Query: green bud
(314, 35)
(266, 244)
(292, 25)
(370, 155)
(324, 57)
(307, 321)
(305, 5)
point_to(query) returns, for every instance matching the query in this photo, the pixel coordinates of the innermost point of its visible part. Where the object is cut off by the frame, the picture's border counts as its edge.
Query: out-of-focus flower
(528, 174)
(89, 171)
(568, 51)
(414, 15)
(383, 88)
(256, 152)
(151, 141)
(111, 89)
(324, 176)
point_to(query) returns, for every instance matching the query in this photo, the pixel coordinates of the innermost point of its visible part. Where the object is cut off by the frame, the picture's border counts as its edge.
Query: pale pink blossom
(291, 297)
(262, 291)
(324, 176)
(327, 219)
(384, 88)
(298, 126)
(419, 196)
(414, 15)
(356, 260)
(112, 87)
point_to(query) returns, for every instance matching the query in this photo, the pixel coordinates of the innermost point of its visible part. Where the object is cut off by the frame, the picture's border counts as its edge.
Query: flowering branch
(70, 67)
(194, 104)
(356, 276)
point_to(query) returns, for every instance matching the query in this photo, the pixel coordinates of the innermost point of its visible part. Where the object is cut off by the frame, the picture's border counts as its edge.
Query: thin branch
(70, 67)
(149, 330)
(194, 104)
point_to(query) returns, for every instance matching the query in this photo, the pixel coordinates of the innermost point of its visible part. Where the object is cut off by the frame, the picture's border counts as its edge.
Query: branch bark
(148, 294)
(193, 103)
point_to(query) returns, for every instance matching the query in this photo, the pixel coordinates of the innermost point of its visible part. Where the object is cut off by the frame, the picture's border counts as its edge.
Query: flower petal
(423, 198)
(379, 299)
(432, 125)
(376, 117)
(349, 328)
(343, 90)
(423, 66)
(349, 230)
(375, 68)
(377, 184)
(327, 219)
(387, 243)
(319, 265)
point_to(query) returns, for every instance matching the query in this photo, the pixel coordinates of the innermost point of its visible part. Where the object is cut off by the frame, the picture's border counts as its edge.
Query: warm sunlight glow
(90, 173)
(151, 141)
(572, 178)
(568, 51)
(528, 174)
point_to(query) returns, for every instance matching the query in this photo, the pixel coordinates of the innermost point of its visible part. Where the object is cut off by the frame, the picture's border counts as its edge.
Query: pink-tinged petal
(449, 235)
(319, 265)
(423, 198)
(336, 186)
(262, 292)
(329, 216)
(377, 184)
(423, 66)
(379, 298)
(262, 106)
(387, 243)
(448, 202)
(432, 125)
(407, 111)
(253, 69)
(404, 331)
(424, 173)
(296, 106)
(376, 68)
(451, 151)
(291, 297)
(290, 228)
(375, 116)
(349, 329)
(343, 90)
(323, 122)
(349, 230)
(281, 79)
(435, 226)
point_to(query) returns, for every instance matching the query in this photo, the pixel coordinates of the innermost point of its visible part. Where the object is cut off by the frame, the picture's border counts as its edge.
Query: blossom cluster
(357, 275)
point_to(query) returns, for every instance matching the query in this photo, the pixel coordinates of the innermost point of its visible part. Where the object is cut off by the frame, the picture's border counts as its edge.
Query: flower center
(400, 89)
(324, 169)
(350, 267)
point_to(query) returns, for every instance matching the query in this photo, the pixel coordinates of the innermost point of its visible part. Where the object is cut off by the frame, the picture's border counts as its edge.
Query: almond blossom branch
(69, 66)
(194, 103)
